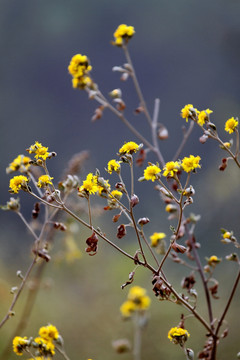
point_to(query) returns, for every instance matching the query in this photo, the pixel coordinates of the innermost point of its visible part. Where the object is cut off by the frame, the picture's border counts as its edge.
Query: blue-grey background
(183, 51)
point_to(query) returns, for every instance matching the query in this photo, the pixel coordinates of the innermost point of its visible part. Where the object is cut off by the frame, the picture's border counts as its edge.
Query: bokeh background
(184, 52)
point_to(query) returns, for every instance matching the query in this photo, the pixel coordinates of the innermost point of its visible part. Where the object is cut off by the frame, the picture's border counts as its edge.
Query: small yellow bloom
(138, 295)
(188, 111)
(113, 165)
(123, 32)
(231, 125)
(129, 148)
(90, 184)
(44, 180)
(39, 150)
(79, 65)
(19, 344)
(21, 163)
(152, 172)
(203, 116)
(227, 235)
(171, 208)
(17, 183)
(156, 237)
(170, 168)
(213, 260)
(190, 163)
(117, 194)
(45, 347)
(127, 308)
(178, 335)
(49, 332)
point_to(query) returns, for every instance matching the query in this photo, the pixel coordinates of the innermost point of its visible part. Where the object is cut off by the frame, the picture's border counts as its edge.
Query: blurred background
(183, 52)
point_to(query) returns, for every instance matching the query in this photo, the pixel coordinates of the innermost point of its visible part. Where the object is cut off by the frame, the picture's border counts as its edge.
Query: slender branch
(10, 311)
(27, 225)
(184, 140)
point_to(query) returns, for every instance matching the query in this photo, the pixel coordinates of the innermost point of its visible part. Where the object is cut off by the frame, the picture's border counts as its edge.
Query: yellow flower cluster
(19, 344)
(190, 163)
(201, 117)
(43, 343)
(113, 165)
(123, 33)
(18, 183)
(89, 185)
(39, 150)
(152, 172)
(137, 301)
(21, 163)
(178, 335)
(79, 68)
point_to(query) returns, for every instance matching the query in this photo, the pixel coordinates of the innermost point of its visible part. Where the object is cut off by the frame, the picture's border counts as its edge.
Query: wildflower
(156, 237)
(138, 295)
(231, 125)
(39, 150)
(129, 148)
(190, 163)
(152, 172)
(188, 111)
(113, 165)
(45, 347)
(89, 185)
(116, 194)
(178, 335)
(18, 183)
(203, 116)
(213, 260)
(79, 66)
(127, 308)
(21, 163)
(13, 204)
(123, 32)
(19, 344)
(170, 168)
(49, 332)
(44, 180)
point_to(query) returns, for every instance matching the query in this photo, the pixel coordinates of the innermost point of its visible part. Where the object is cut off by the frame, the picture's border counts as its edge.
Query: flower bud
(143, 221)
(116, 94)
(134, 200)
(162, 133)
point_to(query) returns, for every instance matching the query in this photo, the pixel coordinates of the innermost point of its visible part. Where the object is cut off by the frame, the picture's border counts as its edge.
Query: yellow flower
(45, 347)
(213, 260)
(19, 344)
(39, 150)
(113, 165)
(171, 208)
(127, 308)
(178, 335)
(79, 65)
(138, 295)
(203, 116)
(49, 332)
(17, 183)
(170, 168)
(152, 172)
(123, 32)
(90, 184)
(21, 163)
(231, 125)
(117, 194)
(129, 148)
(190, 163)
(82, 82)
(44, 180)
(156, 237)
(188, 111)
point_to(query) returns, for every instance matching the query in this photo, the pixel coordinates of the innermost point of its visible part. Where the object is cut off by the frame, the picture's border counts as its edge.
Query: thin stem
(44, 202)
(136, 84)
(184, 140)
(149, 247)
(138, 237)
(27, 225)
(137, 338)
(89, 211)
(62, 352)
(10, 311)
(234, 157)
(154, 131)
(164, 259)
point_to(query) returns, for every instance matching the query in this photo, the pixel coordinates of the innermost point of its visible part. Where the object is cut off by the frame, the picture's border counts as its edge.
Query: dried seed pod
(121, 231)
